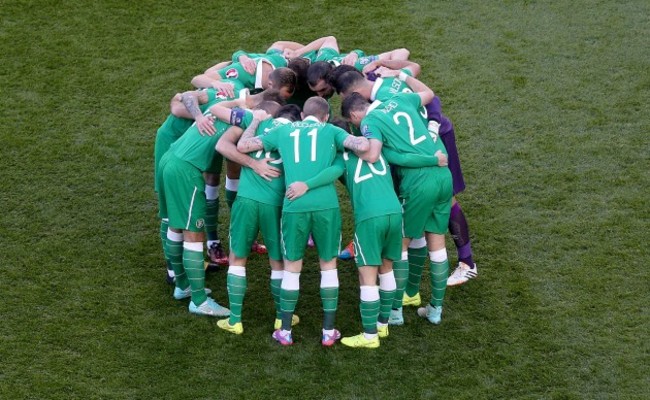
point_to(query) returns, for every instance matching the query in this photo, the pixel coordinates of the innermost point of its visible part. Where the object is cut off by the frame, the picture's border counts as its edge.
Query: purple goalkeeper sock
(460, 233)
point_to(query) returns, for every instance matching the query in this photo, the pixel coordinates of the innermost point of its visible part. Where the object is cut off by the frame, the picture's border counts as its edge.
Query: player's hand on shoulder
(205, 124)
(248, 63)
(264, 169)
(226, 87)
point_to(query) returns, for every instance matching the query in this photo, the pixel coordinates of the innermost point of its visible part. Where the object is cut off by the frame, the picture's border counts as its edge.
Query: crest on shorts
(200, 223)
(232, 73)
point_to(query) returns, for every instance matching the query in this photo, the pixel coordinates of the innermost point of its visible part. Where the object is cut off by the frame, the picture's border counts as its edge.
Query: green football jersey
(253, 186)
(370, 187)
(385, 88)
(399, 126)
(307, 147)
(236, 71)
(335, 58)
(174, 126)
(198, 149)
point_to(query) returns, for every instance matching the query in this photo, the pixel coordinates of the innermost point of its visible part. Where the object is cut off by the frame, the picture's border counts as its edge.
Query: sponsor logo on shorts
(232, 73)
(200, 223)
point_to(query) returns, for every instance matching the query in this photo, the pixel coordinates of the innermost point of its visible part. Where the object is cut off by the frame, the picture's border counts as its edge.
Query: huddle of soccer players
(401, 170)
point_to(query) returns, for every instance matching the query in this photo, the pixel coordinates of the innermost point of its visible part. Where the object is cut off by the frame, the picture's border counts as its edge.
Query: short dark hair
(270, 107)
(335, 74)
(284, 77)
(348, 81)
(273, 94)
(353, 102)
(289, 111)
(300, 66)
(341, 123)
(317, 71)
(316, 106)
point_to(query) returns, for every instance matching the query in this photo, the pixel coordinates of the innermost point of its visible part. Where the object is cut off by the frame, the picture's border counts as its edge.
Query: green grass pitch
(550, 103)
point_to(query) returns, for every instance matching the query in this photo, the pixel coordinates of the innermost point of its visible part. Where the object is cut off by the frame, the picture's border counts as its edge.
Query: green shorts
(325, 227)
(247, 218)
(182, 194)
(426, 200)
(378, 238)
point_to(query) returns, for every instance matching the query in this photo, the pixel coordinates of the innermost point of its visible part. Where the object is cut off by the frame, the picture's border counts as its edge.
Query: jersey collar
(311, 118)
(374, 105)
(375, 88)
(259, 72)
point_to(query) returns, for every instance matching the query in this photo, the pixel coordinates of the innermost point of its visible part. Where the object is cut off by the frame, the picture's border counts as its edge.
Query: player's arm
(356, 143)
(213, 69)
(350, 142)
(229, 115)
(396, 65)
(320, 43)
(213, 81)
(282, 45)
(248, 141)
(352, 57)
(409, 160)
(238, 102)
(186, 105)
(396, 54)
(324, 177)
(227, 145)
(246, 60)
(425, 93)
(374, 151)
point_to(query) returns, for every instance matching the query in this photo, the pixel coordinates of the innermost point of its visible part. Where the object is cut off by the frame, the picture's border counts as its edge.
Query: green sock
(401, 271)
(417, 258)
(236, 292)
(369, 315)
(330, 299)
(385, 304)
(211, 218)
(275, 291)
(174, 253)
(288, 301)
(369, 308)
(231, 195)
(439, 272)
(193, 263)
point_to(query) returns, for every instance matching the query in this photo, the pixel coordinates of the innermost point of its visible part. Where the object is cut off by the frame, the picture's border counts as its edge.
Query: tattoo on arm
(356, 143)
(192, 104)
(248, 141)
